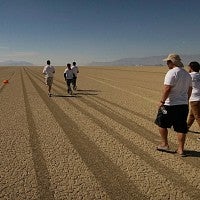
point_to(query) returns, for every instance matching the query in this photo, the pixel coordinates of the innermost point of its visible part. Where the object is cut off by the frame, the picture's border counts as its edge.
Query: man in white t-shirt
(173, 106)
(68, 76)
(75, 72)
(194, 100)
(49, 72)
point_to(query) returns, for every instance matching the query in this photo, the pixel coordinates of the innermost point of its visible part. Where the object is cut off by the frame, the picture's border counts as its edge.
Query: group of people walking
(180, 89)
(70, 76)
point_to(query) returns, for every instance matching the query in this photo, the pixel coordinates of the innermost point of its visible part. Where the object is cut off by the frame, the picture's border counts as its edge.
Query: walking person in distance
(49, 71)
(75, 72)
(68, 76)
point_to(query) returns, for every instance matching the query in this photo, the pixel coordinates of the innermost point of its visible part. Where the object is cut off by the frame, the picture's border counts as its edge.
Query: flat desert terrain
(99, 143)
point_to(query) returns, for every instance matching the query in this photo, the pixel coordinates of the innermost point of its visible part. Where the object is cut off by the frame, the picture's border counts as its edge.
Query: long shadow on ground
(191, 153)
(61, 95)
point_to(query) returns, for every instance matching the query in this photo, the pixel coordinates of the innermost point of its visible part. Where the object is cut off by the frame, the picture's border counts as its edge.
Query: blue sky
(97, 30)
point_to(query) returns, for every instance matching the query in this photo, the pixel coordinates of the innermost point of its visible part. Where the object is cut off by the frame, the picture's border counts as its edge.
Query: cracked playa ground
(96, 144)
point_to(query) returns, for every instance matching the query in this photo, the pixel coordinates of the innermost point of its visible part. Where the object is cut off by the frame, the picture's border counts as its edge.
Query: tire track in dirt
(120, 89)
(107, 101)
(115, 87)
(162, 169)
(122, 108)
(130, 124)
(127, 70)
(70, 177)
(114, 181)
(103, 101)
(142, 131)
(113, 104)
(42, 174)
(134, 86)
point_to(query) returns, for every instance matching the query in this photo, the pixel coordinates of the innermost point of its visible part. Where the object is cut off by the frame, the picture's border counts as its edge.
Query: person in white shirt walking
(173, 106)
(194, 100)
(68, 76)
(49, 73)
(75, 72)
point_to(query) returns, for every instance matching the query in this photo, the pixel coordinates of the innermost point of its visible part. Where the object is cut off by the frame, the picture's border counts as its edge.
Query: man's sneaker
(49, 94)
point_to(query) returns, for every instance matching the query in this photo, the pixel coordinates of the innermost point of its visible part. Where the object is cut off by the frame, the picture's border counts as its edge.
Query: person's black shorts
(176, 116)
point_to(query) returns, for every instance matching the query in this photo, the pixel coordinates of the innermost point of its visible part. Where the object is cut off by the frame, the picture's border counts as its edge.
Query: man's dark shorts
(49, 81)
(176, 116)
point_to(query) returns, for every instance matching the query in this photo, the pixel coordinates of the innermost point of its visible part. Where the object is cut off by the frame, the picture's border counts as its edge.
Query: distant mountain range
(15, 63)
(145, 61)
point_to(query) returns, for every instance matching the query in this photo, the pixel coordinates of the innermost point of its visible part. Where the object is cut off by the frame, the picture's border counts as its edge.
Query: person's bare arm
(165, 94)
(189, 92)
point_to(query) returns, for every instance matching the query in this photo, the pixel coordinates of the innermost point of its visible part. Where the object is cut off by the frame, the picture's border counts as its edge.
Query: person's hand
(161, 103)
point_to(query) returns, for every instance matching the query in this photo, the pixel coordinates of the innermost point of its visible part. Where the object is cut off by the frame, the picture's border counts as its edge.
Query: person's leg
(181, 142)
(191, 117)
(45, 80)
(180, 126)
(74, 84)
(49, 84)
(164, 136)
(68, 86)
(70, 82)
(163, 121)
(49, 88)
(196, 111)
